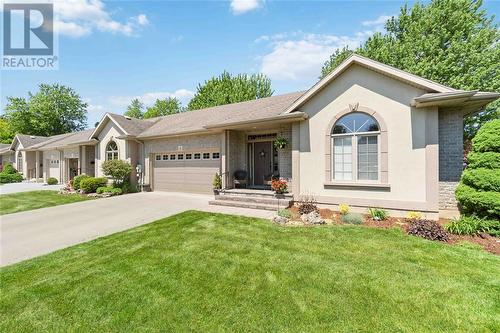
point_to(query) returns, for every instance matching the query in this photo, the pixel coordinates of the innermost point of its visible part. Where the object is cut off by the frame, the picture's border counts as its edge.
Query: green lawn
(207, 272)
(18, 202)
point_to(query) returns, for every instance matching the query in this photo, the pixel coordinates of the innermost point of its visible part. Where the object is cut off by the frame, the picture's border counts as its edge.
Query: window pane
(355, 122)
(367, 158)
(188, 156)
(165, 157)
(197, 156)
(172, 156)
(180, 156)
(342, 158)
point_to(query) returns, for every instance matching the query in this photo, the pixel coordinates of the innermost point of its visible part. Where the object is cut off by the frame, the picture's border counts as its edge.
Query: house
(368, 135)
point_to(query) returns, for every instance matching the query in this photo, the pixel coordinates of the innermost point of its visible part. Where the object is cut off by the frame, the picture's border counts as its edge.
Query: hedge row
(482, 179)
(488, 137)
(6, 178)
(489, 160)
(481, 203)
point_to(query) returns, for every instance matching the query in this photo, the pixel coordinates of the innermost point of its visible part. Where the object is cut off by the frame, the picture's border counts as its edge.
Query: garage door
(185, 172)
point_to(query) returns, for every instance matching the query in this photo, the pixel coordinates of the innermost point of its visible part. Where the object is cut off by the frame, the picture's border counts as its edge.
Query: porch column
(82, 161)
(224, 158)
(296, 159)
(37, 165)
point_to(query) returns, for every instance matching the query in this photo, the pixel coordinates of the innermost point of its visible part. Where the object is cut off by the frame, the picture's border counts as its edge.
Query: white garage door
(185, 172)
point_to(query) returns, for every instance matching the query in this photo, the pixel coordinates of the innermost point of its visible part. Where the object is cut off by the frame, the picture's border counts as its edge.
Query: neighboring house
(6, 155)
(368, 135)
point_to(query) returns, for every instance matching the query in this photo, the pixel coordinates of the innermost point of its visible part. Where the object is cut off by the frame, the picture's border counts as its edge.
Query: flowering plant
(279, 186)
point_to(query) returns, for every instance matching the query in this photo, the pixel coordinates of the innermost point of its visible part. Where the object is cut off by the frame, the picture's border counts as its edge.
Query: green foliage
(488, 138)
(77, 180)
(6, 132)
(135, 109)
(217, 181)
(52, 181)
(6, 178)
(226, 89)
(284, 213)
(453, 42)
(9, 169)
(378, 214)
(54, 109)
(483, 204)
(163, 107)
(427, 229)
(119, 170)
(110, 190)
(472, 225)
(489, 160)
(280, 143)
(482, 179)
(91, 184)
(352, 218)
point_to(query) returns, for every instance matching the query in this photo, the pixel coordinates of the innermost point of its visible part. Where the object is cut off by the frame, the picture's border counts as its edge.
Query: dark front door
(262, 162)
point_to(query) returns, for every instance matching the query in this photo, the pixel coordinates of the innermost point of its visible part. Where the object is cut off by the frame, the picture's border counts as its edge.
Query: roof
(27, 141)
(390, 71)
(129, 126)
(458, 97)
(67, 139)
(200, 120)
(4, 148)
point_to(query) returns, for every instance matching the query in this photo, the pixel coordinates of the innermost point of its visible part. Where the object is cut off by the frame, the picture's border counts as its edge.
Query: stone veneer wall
(285, 155)
(450, 156)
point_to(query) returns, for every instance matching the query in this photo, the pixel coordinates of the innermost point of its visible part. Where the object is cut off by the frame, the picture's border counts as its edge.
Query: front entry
(262, 162)
(73, 167)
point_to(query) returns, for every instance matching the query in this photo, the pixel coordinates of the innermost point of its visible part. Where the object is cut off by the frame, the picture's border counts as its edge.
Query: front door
(73, 168)
(262, 162)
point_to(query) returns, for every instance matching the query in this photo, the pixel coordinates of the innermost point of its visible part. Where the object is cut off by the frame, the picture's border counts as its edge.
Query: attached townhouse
(367, 134)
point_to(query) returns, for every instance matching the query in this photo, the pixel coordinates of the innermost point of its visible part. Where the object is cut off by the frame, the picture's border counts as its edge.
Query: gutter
(289, 116)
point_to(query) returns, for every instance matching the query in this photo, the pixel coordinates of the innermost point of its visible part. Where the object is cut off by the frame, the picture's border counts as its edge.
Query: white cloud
(299, 56)
(149, 98)
(77, 18)
(243, 6)
(95, 108)
(378, 21)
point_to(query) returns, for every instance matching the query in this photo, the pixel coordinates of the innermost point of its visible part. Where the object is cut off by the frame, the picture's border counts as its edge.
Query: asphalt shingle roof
(66, 139)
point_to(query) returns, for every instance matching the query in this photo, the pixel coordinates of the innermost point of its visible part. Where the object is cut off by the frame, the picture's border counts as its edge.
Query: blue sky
(113, 51)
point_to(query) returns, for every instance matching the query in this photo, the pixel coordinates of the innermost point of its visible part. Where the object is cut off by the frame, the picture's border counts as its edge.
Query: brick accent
(451, 124)
(447, 195)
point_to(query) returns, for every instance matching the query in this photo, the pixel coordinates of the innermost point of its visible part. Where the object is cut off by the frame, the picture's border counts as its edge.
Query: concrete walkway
(29, 234)
(27, 187)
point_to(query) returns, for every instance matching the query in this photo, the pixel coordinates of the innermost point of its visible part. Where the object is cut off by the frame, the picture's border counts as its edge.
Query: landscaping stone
(312, 218)
(280, 220)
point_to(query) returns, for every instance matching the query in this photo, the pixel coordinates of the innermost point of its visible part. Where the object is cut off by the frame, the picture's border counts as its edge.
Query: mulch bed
(487, 242)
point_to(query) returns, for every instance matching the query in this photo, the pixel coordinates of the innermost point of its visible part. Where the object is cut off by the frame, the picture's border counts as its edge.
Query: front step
(264, 200)
(241, 204)
(256, 199)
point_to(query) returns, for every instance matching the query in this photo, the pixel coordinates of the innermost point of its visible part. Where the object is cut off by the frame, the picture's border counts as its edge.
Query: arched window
(355, 155)
(111, 151)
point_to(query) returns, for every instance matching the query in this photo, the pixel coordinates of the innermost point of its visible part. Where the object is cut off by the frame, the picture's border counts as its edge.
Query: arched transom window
(112, 151)
(355, 155)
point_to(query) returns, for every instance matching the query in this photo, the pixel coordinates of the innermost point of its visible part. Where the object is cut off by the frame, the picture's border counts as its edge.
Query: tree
(163, 107)
(119, 170)
(227, 89)
(453, 42)
(134, 110)
(6, 133)
(54, 109)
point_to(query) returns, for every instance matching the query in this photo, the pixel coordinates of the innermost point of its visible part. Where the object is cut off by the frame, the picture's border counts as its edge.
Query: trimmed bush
(484, 204)
(6, 178)
(352, 218)
(77, 180)
(9, 169)
(91, 184)
(428, 229)
(119, 170)
(110, 190)
(488, 160)
(52, 181)
(487, 138)
(482, 179)
(471, 225)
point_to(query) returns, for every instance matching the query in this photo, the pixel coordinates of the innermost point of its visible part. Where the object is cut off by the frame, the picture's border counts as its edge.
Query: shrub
(427, 229)
(483, 204)
(284, 213)
(352, 218)
(217, 181)
(307, 205)
(6, 178)
(77, 180)
(91, 184)
(52, 181)
(119, 170)
(468, 225)
(126, 186)
(110, 190)
(279, 186)
(378, 214)
(488, 137)
(482, 179)
(344, 209)
(9, 169)
(414, 215)
(488, 160)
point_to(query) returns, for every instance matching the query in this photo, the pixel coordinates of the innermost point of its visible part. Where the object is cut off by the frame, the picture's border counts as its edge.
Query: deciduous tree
(163, 107)
(135, 109)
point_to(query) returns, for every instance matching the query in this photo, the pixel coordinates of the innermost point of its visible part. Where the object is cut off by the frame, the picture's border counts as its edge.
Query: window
(180, 156)
(206, 156)
(215, 156)
(197, 156)
(111, 151)
(355, 153)
(189, 156)
(172, 157)
(158, 157)
(165, 157)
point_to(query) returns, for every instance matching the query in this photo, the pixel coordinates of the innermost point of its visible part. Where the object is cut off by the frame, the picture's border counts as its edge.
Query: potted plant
(279, 186)
(217, 183)
(280, 143)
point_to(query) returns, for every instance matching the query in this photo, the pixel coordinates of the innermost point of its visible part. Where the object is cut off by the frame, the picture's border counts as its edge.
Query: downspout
(142, 155)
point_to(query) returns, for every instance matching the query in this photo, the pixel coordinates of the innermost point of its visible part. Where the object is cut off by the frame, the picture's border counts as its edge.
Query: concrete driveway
(29, 234)
(27, 187)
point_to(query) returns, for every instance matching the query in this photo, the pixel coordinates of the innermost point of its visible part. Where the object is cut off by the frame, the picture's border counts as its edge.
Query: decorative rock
(280, 219)
(312, 218)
